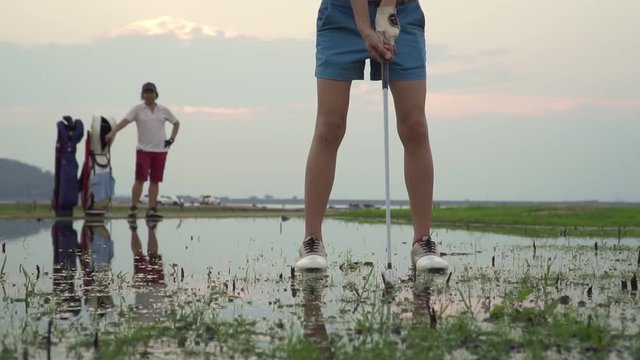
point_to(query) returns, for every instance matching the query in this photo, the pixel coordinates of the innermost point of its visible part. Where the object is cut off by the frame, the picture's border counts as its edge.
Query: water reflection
(424, 303)
(148, 271)
(95, 260)
(312, 285)
(254, 253)
(11, 230)
(95, 253)
(65, 250)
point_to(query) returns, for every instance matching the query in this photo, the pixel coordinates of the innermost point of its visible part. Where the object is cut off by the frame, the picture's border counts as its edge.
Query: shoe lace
(311, 245)
(428, 245)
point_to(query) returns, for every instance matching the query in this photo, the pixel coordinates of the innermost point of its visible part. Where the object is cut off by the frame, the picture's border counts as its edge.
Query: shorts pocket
(411, 16)
(323, 12)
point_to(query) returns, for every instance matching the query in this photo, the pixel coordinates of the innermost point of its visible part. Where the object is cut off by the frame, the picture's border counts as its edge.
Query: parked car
(162, 200)
(209, 200)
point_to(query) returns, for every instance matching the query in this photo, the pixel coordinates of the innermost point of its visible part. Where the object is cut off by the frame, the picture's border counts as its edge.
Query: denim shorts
(341, 51)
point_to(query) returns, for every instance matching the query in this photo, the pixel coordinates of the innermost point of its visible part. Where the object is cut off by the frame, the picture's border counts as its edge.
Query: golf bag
(97, 181)
(66, 186)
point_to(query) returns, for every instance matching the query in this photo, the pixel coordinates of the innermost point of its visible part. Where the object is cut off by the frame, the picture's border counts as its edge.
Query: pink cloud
(181, 28)
(218, 113)
(368, 96)
(456, 105)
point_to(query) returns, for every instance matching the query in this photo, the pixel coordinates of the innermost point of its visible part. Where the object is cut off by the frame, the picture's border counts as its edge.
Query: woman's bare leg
(331, 122)
(409, 99)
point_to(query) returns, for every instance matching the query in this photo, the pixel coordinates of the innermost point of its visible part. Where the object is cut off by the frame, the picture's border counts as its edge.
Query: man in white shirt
(151, 153)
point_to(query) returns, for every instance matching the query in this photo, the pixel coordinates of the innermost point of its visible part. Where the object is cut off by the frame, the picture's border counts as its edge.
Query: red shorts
(148, 270)
(150, 165)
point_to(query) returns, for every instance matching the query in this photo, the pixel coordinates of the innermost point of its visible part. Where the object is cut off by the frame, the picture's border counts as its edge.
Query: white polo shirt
(151, 132)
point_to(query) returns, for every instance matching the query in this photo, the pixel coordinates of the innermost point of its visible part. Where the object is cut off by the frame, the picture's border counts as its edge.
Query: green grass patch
(533, 221)
(566, 216)
(19, 211)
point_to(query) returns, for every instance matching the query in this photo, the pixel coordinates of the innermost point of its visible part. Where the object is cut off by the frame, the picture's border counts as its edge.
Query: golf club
(387, 275)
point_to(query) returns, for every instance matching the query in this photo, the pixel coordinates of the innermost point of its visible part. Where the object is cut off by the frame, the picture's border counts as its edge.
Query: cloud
(448, 69)
(367, 96)
(448, 105)
(21, 110)
(217, 113)
(208, 70)
(19, 115)
(180, 28)
(253, 74)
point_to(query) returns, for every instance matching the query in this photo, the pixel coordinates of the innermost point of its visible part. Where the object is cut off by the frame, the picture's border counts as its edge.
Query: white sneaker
(311, 255)
(425, 257)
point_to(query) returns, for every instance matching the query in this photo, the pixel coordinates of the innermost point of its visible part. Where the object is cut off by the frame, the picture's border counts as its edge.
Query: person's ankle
(419, 238)
(313, 236)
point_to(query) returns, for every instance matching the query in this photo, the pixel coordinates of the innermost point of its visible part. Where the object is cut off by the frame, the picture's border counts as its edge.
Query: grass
(533, 221)
(40, 211)
(528, 320)
(565, 216)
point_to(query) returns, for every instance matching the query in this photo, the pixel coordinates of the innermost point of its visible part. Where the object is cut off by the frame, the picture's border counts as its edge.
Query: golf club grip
(385, 73)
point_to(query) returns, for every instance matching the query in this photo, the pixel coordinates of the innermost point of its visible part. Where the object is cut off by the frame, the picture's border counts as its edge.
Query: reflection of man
(97, 254)
(148, 272)
(65, 245)
(314, 328)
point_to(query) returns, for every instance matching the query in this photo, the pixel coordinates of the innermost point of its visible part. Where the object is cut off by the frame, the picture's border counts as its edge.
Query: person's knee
(330, 129)
(413, 132)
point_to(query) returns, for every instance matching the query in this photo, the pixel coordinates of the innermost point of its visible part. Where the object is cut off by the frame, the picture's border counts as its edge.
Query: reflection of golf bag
(97, 247)
(97, 253)
(66, 187)
(65, 245)
(96, 179)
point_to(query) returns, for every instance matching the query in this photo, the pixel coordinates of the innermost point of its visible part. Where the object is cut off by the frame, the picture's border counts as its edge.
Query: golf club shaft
(385, 97)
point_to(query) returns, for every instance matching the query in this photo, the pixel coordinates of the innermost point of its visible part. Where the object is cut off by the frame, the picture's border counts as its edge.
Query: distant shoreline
(296, 202)
(41, 211)
(567, 219)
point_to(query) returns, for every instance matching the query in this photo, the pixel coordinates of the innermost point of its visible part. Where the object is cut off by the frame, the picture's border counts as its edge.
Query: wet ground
(224, 287)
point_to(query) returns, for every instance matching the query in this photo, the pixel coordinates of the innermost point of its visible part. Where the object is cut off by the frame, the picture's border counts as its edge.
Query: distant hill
(20, 181)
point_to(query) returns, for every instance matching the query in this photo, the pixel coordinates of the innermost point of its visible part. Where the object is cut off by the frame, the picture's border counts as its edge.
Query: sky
(527, 100)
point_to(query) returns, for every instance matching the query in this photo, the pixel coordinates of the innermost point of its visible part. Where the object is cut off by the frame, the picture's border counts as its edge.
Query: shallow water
(269, 246)
(88, 270)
